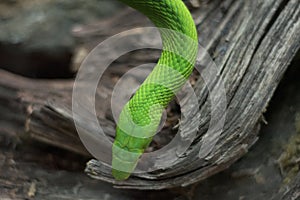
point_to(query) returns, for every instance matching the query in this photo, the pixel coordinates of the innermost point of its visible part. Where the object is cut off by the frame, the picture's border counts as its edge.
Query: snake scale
(140, 117)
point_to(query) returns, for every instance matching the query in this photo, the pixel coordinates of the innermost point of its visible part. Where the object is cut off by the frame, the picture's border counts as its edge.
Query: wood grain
(252, 44)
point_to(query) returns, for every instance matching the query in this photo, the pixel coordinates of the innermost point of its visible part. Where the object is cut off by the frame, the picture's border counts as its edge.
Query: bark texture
(252, 44)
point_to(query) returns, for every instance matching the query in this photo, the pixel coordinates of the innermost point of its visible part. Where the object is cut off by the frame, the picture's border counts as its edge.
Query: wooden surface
(252, 44)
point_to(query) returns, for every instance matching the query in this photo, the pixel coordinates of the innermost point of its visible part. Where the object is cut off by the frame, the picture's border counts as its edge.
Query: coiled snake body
(140, 117)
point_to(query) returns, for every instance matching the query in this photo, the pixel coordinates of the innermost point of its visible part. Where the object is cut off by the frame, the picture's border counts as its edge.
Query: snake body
(140, 117)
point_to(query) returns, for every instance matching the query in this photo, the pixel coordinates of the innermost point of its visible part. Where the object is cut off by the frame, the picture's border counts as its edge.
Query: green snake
(140, 117)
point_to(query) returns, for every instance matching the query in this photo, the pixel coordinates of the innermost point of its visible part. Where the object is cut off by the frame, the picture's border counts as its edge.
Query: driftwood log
(246, 40)
(252, 44)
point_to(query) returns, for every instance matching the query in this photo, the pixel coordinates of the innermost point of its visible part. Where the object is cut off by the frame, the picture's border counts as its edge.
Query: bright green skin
(141, 116)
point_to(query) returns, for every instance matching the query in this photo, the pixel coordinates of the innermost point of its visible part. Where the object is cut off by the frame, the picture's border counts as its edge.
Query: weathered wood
(32, 173)
(39, 167)
(292, 192)
(252, 43)
(27, 112)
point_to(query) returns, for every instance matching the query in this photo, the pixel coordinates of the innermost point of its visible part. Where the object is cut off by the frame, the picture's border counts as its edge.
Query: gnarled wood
(252, 45)
(251, 42)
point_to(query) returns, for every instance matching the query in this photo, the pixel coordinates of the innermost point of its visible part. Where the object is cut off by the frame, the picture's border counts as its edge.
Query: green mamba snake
(140, 117)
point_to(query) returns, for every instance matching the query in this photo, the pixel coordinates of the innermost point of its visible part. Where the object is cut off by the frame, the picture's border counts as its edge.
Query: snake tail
(140, 117)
